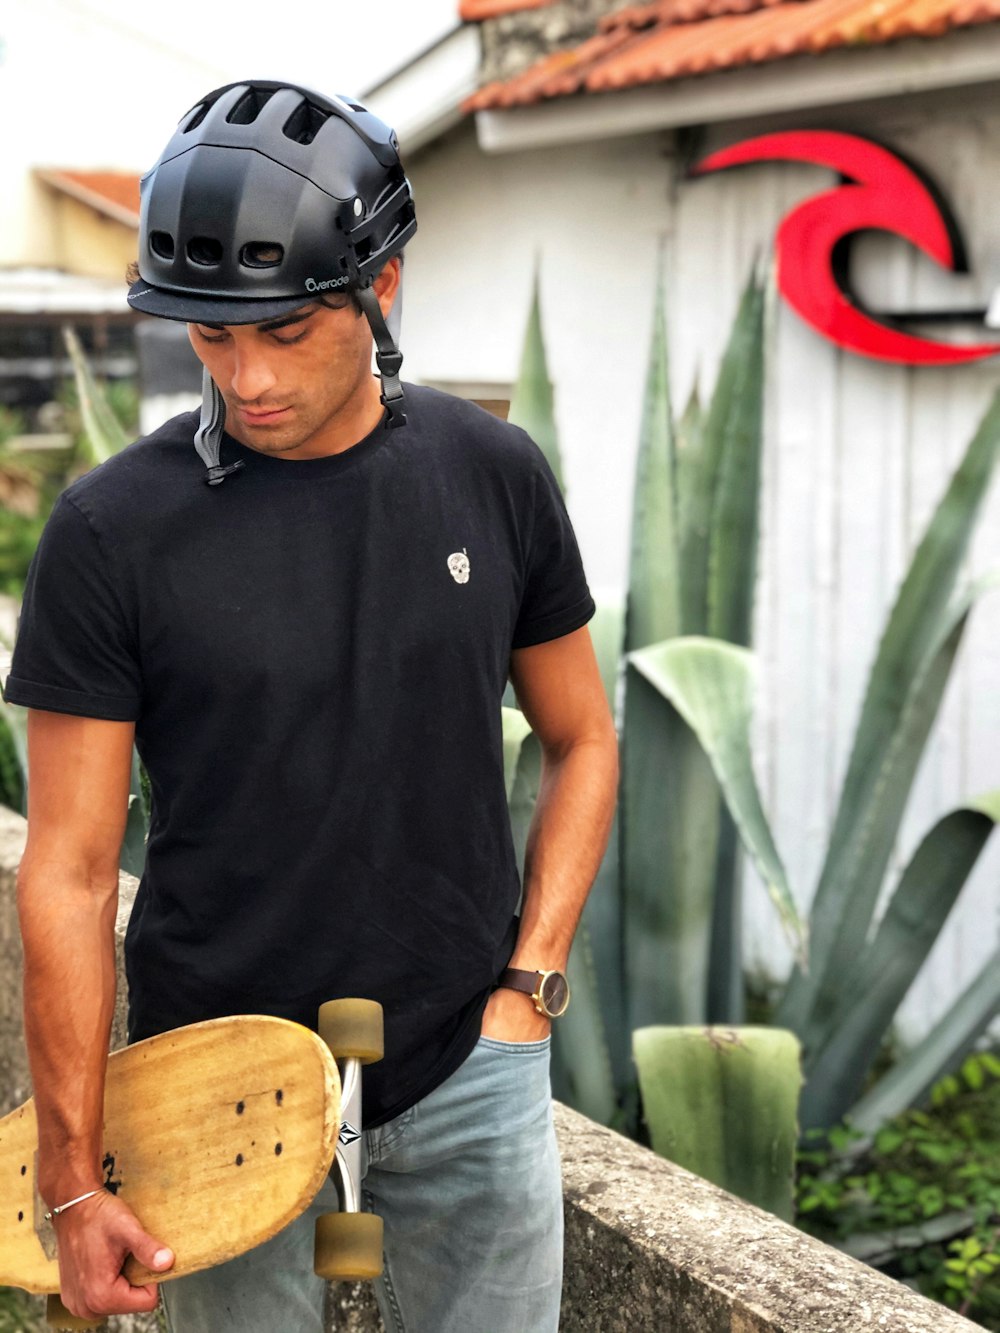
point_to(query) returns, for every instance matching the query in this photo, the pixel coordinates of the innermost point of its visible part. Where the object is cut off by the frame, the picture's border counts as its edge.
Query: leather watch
(548, 990)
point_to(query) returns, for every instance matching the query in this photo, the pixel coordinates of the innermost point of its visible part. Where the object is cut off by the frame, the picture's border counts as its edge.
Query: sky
(332, 46)
(102, 83)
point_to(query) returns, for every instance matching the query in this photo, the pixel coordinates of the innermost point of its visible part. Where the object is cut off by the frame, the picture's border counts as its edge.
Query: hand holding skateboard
(94, 1242)
(216, 1136)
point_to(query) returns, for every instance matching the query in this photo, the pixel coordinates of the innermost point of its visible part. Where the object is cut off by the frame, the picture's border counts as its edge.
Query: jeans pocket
(516, 1047)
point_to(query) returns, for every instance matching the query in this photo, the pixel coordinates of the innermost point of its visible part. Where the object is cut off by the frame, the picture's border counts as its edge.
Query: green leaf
(516, 729)
(972, 1072)
(532, 404)
(888, 1140)
(898, 710)
(104, 434)
(669, 820)
(711, 685)
(14, 720)
(581, 1069)
(910, 1079)
(873, 989)
(607, 629)
(732, 444)
(602, 919)
(721, 1102)
(522, 775)
(133, 852)
(653, 606)
(695, 490)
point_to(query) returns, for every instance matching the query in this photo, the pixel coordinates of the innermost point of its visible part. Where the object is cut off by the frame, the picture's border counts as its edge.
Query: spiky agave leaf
(104, 434)
(670, 821)
(896, 717)
(938, 1053)
(874, 988)
(133, 852)
(732, 444)
(722, 1102)
(532, 404)
(710, 684)
(653, 605)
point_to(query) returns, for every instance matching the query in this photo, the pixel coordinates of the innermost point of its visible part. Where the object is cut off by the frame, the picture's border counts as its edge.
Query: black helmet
(267, 196)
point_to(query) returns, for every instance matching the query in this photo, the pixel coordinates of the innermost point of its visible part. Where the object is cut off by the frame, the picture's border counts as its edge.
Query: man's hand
(511, 1016)
(95, 1239)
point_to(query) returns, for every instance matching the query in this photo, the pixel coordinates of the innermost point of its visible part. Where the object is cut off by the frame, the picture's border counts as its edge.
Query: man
(309, 652)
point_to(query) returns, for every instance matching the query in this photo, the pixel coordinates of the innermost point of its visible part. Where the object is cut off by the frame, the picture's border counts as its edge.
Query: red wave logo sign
(881, 192)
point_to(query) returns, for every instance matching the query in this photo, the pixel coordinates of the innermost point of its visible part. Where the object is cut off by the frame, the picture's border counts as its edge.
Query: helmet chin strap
(388, 357)
(208, 436)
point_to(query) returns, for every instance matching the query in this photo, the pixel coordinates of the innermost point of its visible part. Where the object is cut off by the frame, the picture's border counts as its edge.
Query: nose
(252, 374)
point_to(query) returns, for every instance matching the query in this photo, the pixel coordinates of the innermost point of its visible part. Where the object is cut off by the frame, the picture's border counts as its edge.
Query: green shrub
(921, 1199)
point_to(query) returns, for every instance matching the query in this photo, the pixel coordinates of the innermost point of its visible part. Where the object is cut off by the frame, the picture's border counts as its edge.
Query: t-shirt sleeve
(556, 599)
(74, 651)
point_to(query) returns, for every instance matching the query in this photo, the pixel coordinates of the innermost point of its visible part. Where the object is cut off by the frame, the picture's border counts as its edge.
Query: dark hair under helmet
(268, 196)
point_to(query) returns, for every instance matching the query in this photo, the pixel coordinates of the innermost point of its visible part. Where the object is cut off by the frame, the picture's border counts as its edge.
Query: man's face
(299, 386)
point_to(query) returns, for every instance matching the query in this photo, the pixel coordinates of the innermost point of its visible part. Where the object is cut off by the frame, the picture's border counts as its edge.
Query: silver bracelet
(63, 1206)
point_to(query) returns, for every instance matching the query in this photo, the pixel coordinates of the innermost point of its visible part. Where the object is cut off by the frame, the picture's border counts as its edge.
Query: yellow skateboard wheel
(348, 1247)
(352, 1029)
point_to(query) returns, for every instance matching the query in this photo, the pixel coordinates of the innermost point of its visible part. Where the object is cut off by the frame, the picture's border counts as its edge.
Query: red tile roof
(475, 11)
(113, 193)
(673, 39)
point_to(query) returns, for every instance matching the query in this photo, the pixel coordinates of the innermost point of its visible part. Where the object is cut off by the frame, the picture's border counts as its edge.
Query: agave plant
(673, 845)
(667, 947)
(648, 952)
(843, 1005)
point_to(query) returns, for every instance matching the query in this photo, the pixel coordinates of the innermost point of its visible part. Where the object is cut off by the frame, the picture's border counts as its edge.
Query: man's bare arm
(559, 688)
(67, 900)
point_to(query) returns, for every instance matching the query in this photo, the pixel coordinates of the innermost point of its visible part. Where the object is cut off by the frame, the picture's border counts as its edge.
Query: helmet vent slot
(197, 116)
(262, 254)
(204, 250)
(249, 107)
(304, 123)
(162, 244)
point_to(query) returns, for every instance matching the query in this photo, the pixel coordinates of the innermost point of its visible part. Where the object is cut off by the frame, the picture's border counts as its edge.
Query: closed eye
(214, 336)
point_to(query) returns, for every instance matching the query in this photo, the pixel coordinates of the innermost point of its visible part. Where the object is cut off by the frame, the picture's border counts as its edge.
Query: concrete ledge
(650, 1248)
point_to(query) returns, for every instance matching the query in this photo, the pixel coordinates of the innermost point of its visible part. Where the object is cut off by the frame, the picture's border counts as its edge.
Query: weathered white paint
(858, 453)
(424, 98)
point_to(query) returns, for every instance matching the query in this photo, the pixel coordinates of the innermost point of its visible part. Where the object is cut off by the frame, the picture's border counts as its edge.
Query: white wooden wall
(857, 453)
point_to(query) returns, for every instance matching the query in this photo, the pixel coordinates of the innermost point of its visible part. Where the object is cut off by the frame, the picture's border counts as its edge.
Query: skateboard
(216, 1135)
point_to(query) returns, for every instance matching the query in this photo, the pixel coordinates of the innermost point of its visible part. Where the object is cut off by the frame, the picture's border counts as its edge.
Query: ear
(386, 285)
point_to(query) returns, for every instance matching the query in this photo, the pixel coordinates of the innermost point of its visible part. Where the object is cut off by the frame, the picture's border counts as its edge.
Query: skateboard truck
(348, 1246)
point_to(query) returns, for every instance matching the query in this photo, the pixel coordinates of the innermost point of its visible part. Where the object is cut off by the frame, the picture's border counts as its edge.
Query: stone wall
(650, 1248)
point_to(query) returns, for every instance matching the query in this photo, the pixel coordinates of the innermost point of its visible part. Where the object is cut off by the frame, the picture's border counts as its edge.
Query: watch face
(555, 993)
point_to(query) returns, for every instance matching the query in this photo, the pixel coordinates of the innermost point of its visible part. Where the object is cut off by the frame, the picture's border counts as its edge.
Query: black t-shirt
(313, 654)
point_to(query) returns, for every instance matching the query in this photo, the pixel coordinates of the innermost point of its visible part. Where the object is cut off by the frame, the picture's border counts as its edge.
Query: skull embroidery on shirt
(458, 565)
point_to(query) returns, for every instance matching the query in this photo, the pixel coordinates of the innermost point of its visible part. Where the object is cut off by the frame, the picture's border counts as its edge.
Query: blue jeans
(467, 1184)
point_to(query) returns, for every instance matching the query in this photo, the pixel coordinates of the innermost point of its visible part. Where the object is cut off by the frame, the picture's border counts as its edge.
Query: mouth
(256, 416)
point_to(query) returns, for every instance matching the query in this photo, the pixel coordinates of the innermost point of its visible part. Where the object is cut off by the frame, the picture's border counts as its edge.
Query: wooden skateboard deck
(216, 1135)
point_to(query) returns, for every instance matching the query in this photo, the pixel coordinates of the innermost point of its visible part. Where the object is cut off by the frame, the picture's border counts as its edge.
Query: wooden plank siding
(857, 455)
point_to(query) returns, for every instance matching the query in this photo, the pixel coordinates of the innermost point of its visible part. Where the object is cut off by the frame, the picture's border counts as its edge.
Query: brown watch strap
(538, 985)
(518, 978)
